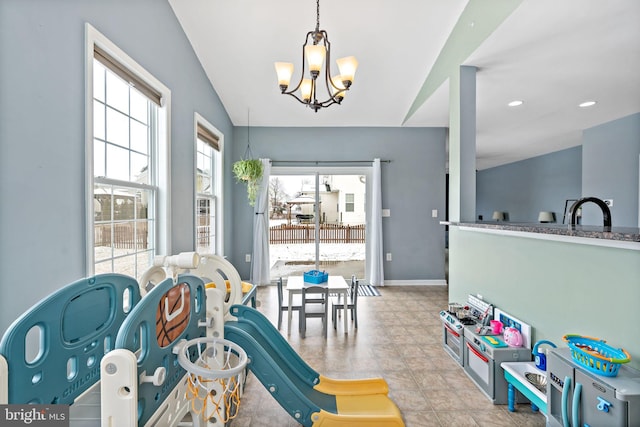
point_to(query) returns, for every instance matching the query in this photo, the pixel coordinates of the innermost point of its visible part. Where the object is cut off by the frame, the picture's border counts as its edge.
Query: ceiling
(551, 54)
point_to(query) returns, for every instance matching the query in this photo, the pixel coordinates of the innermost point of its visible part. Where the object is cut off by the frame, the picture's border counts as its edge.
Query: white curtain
(376, 267)
(260, 274)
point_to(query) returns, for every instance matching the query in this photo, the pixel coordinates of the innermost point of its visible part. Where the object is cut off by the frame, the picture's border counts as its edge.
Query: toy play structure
(169, 351)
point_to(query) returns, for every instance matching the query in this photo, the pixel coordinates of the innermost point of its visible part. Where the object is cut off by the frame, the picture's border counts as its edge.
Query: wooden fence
(329, 233)
(124, 236)
(203, 236)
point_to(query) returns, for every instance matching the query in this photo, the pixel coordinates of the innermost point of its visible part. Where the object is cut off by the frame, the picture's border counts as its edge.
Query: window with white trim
(129, 169)
(208, 185)
(349, 202)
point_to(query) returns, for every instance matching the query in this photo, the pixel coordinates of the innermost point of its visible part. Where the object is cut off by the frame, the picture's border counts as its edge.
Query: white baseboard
(440, 282)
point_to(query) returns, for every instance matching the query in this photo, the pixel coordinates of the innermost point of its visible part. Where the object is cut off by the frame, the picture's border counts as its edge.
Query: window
(127, 162)
(208, 188)
(349, 202)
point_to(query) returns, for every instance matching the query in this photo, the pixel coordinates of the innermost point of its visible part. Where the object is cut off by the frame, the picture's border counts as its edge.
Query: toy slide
(310, 398)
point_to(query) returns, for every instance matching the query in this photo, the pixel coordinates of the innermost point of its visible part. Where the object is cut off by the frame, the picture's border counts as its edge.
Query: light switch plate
(386, 212)
(434, 213)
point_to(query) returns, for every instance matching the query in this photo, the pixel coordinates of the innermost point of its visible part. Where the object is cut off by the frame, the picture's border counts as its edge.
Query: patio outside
(343, 259)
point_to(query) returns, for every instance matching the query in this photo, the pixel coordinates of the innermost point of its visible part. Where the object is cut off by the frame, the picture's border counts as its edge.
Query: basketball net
(213, 380)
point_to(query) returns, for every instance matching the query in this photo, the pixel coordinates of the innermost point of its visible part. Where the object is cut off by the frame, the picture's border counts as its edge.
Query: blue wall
(525, 188)
(42, 120)
(413, 184)
(610, 163)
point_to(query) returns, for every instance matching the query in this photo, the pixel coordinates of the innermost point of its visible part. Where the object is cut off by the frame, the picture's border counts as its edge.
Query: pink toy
(496, 326)
(513, 337)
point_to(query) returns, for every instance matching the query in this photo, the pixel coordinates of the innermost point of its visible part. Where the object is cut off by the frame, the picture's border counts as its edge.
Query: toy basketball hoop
(214, 367)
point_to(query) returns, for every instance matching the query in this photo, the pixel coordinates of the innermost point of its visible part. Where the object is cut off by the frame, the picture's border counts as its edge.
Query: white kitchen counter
(514, 374)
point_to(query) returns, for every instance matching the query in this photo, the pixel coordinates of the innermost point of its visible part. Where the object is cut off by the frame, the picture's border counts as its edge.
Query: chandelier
(315, 49)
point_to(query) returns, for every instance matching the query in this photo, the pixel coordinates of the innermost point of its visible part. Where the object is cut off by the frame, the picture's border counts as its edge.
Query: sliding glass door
(317, 221)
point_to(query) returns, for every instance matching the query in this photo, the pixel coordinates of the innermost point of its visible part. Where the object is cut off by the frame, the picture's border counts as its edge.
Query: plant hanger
(248, 154)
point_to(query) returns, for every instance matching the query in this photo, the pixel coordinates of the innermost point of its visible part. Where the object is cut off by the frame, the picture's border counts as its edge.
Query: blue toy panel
(54, 349)
(167, 314)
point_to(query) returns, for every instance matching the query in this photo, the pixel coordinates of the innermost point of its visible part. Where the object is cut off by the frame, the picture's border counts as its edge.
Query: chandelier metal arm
(328, 80)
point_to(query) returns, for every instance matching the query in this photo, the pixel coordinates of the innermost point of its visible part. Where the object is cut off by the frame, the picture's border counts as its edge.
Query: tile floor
(398, 338)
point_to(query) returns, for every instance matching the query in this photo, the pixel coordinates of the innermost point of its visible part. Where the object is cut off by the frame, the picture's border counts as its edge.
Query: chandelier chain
(317, 15)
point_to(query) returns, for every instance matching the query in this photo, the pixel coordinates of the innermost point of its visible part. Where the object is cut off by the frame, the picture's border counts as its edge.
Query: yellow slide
(246, 287)
(360, 402)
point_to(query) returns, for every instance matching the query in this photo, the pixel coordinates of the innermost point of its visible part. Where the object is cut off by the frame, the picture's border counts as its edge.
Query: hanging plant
(250, 172)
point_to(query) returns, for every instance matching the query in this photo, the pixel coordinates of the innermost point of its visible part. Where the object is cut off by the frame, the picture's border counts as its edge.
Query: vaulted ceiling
(551, 54)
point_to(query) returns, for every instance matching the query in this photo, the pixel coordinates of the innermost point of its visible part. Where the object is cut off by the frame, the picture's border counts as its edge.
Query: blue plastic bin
(316, 276)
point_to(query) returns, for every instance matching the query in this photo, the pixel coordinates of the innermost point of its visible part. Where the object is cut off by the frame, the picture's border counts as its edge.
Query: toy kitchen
(584, 385)
(480, 337)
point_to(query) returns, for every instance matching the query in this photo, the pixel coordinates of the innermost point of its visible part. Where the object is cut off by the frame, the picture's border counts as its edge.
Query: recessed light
(516, 103)
(587, 104)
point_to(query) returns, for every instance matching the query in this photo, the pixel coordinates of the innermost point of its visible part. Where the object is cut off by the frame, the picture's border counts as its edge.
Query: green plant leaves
(249, 171)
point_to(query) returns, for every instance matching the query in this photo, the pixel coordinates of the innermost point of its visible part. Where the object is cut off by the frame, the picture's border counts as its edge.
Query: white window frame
(218, 183)
(162, 156)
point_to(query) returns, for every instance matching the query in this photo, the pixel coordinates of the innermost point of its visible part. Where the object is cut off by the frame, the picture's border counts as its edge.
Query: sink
(537, 380)
(529, 380)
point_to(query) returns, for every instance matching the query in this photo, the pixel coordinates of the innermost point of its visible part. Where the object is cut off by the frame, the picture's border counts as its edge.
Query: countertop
(517, 370)
(621, 234)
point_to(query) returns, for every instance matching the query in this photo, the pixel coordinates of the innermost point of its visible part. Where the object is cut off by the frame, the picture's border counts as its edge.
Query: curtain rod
(318, 162)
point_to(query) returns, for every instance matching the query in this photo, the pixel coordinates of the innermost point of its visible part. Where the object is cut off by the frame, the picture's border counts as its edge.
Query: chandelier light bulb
(284, 70)
(315, 58)
(338, 87)
(305, 89)
(347, 67)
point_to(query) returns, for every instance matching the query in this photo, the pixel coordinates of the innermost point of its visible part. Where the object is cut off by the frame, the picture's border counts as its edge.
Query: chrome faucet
(606, 213)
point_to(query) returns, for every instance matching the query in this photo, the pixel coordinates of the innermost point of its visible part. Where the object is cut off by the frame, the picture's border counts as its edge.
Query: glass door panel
(305, 235)
(342, 224)
(291, 224)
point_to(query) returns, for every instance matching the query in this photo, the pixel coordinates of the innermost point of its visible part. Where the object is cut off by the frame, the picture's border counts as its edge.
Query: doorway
(317, 221)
